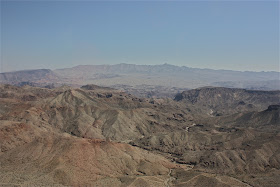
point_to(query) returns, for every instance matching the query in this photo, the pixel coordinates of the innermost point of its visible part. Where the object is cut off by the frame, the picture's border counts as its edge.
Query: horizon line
(141, 65)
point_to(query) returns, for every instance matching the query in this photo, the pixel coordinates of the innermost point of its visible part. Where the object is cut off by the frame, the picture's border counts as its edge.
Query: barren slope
(66, 136)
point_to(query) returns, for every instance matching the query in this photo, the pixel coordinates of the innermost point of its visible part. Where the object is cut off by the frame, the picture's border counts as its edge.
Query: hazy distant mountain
(145, 80)
(169, 76)
(172, 75)
(38, 75)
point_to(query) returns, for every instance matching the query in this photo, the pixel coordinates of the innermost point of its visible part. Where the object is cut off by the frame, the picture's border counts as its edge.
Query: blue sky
(240, 35)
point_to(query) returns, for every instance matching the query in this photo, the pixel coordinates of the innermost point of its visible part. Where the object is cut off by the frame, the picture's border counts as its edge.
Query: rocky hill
(216, 101)
(267, 120)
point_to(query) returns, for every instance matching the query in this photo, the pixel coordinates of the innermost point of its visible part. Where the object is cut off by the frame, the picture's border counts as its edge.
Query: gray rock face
(273, 107)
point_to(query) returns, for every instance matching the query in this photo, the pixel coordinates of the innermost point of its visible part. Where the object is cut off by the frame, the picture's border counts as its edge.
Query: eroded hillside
(99, 136)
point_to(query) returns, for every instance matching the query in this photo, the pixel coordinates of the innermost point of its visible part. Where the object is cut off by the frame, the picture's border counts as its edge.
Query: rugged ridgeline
(266, 120)
(144, 80)
(238, 141)
(41, 144)
(220, 101)
(102, 137)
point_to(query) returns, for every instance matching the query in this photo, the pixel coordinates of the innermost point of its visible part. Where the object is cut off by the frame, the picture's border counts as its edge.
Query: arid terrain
(139, 93)
(99, 136)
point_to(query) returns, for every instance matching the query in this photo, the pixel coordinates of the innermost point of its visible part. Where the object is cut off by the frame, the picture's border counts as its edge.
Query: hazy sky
(242, 35)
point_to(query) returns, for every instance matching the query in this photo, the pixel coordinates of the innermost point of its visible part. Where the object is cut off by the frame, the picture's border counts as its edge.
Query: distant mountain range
(157, 80)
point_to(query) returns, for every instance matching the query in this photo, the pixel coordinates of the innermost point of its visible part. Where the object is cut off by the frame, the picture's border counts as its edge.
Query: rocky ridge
(100, 136)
